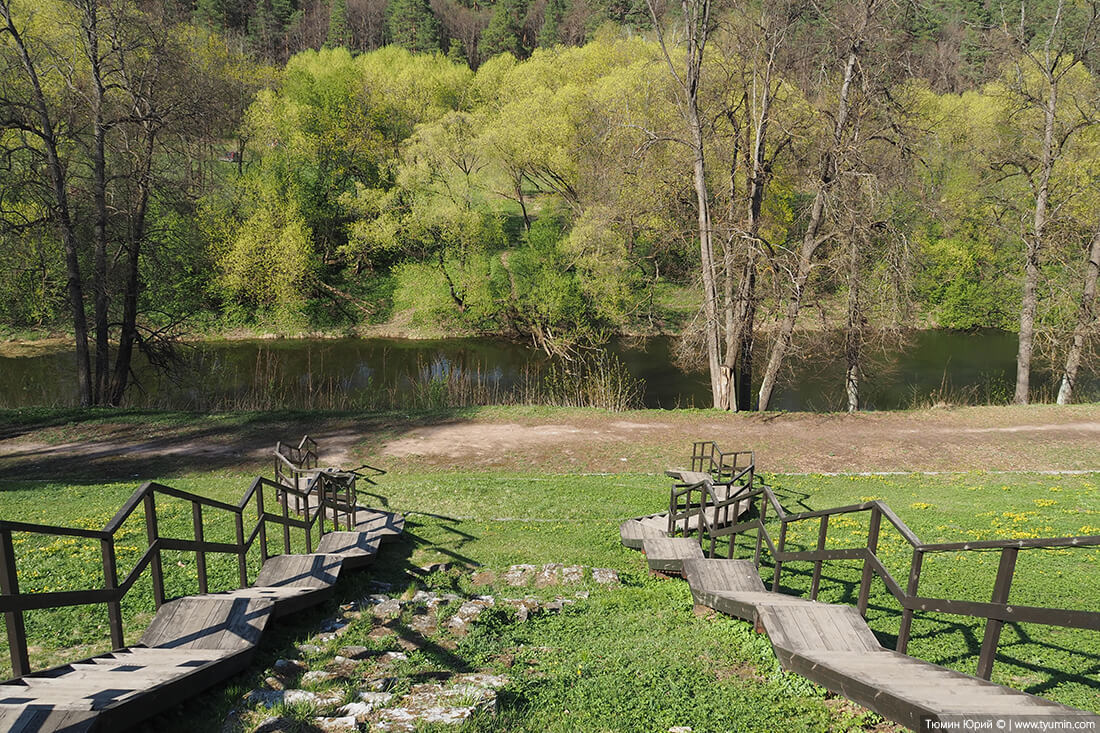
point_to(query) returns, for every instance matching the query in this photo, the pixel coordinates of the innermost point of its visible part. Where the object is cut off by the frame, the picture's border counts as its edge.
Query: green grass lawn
(633, 657)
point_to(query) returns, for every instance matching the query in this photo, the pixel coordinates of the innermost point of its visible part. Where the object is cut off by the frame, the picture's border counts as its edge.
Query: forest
(739, 174)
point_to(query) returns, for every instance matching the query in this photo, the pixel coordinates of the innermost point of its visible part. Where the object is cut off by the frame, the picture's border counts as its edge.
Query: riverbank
(140, 444)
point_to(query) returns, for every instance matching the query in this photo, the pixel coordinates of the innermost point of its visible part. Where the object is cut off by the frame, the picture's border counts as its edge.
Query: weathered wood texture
(193, 642)
(667, 554)
(832, 644)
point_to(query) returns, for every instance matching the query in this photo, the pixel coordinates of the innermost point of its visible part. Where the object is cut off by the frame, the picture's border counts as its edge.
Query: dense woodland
(554, 171)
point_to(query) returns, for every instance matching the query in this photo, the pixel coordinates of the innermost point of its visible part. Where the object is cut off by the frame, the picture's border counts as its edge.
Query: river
(924, 367)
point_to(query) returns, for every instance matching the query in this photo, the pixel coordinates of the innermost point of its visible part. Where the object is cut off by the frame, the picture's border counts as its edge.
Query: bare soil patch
(1030, 438)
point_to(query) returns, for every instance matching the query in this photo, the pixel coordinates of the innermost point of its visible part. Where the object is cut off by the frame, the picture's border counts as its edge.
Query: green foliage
(411, 24)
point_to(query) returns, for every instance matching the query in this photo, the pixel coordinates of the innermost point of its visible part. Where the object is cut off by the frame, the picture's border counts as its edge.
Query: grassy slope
(641, 631)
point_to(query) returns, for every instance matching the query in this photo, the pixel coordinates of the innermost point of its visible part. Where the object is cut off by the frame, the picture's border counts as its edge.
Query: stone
(379, 685)
(518, 575)
(525, 607)
(553, 606)
(390, 608)
(271, 698)
(572, 574)
(309, 649)
(423, 596)
(582, 594)
(422, 624)
(440, 600)
(337, 725)
(355, 652)
(549, 575)
(289, 667)
(316, 677)
(394, 657)
(332, 624)
(606, 576)
(274, 683)
(375, 698)
(680, 729)
(436, 567)
(277, 725)
(442, 705)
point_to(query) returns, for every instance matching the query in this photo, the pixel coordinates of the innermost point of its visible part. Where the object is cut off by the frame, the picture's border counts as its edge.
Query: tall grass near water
(598, 379)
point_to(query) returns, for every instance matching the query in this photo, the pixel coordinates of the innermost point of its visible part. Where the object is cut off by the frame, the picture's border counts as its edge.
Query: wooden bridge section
(195, 641)
(832, 644)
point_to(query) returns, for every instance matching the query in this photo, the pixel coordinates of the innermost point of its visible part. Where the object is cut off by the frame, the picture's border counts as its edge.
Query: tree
(1044, 56)
(698, 26)
(831, 161)
(27, 110)
(411, 24)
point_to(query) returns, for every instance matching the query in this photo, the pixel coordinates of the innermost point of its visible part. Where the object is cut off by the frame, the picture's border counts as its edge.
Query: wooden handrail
(334, 492)
(996, 612)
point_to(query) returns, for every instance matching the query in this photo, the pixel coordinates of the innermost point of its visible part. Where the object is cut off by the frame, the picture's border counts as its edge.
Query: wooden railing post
(759, 531)
(993, 625)
(242, 564)
(152, 535)
(910, 593)
(779, 551)
(110, 582)
(868, 569)
(263, 523)
(13, 620)
(286, 524)
(821, 533)
(309, 528)
(200, 554)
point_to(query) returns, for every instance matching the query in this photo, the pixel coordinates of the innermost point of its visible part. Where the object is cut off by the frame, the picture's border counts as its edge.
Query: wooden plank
(45, 719)
(201, 623)
(667, 554)
(313, 571)
(707, 574)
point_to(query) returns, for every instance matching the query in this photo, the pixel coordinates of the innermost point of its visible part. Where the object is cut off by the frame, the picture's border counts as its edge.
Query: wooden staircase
(196, 641)
(832, 644)
(192, 643)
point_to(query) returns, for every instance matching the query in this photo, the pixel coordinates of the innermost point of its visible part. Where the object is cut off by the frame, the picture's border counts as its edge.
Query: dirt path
(983, 438)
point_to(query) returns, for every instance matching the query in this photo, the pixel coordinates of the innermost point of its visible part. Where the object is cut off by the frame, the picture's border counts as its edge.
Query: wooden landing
(193, 643)
(832, 645)
(667, 554)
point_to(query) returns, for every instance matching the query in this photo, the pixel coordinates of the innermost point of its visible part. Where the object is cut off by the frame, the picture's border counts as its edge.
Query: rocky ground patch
(364, 668)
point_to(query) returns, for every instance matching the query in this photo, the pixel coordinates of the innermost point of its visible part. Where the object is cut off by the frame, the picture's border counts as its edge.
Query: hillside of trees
(553, 171)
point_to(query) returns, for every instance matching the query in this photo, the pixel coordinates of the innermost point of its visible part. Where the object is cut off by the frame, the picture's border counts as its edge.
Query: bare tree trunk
(1029, 303)
(47, 134)
(697, 20)
(812, 238)
(1086, 315)
(90, 30)
(128, 335)
(853, 335)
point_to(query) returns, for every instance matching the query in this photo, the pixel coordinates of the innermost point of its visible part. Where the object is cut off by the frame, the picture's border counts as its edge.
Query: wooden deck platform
(192, 643)
(833, 646)
(667, 554)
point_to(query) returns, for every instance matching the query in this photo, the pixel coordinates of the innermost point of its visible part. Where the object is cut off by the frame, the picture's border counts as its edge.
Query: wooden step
(816, 626)
(46, 719)
(633, 531)
(209, 622)
(356, 548)
(301, 571)
(667, 554)
(745, 605)
(704, 574)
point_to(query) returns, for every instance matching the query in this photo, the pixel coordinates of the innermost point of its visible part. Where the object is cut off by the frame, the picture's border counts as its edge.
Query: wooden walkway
(193, 642)
(832, 644)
